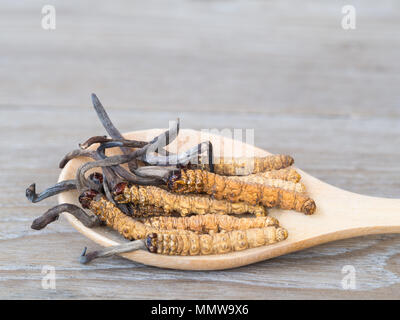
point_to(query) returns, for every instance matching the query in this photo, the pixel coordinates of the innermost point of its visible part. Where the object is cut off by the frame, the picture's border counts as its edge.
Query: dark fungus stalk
(164, 139)
(49, 192)
(111, 251)
(105, 120)
(156, 172)
(110, 183)
(108, 172)
(113, 177)
(75, 154)
(81, 182)
(62, 186)
(111, 180)
(158, 142)
(89, 220)
(112, 130)
(123, 143)
(190, 156)
(126, 175)
(53, 214)
(104, 139)
(80, 153)
(164, 173)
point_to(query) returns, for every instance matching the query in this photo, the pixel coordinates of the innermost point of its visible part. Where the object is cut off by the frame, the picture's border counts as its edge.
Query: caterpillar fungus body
(248, 165)
(183, 204)
(209, 223)
(278, 183)
(287, 174)
(220, 187)
(218, 243)
(109, 214)
(180, 242)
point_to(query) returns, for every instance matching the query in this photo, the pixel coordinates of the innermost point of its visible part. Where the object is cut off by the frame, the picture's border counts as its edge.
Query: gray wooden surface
(328, 96)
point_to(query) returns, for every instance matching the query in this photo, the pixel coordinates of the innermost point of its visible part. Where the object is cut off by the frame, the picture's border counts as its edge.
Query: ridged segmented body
(183, 242)
(219, 243)
(113, 217)
(145, 196)
(209, 223)
(220, 187)
(287, 174)
(148, 211)
(248, 165)
(278, 183)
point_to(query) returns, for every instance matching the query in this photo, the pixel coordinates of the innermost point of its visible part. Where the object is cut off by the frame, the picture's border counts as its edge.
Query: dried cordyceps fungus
(176, 203)
(220, 187)
(183, 243)
(249, 165)
(145, 196)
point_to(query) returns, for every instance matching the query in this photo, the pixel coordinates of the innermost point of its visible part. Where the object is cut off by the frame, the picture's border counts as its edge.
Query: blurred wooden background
(328, 96)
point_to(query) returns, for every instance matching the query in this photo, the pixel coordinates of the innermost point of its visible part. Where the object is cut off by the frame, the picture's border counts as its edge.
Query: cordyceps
(109, 214)
(277, 183)
(145, 196)
(218, 243)
(287, 174)
(248, 165)
(199, 183)
(187, 243)
(133, 229)
(209, 223)
(220, 187)
(174, 241)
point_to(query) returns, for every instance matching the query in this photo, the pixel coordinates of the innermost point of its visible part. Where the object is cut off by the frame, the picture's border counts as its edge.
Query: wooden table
(328, 96)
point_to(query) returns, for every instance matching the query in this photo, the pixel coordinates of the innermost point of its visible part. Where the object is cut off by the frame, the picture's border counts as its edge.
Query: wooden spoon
(340, 214)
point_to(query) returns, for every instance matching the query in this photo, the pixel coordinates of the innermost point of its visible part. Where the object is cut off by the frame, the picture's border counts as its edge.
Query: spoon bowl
(340, 214)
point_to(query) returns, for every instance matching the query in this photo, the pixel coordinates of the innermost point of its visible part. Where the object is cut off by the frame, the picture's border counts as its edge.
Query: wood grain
(340, 214)
(327, 96)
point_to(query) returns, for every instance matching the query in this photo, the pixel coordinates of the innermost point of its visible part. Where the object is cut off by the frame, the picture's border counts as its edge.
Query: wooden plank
(316, 271)
(196, 55)
(307, 87)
